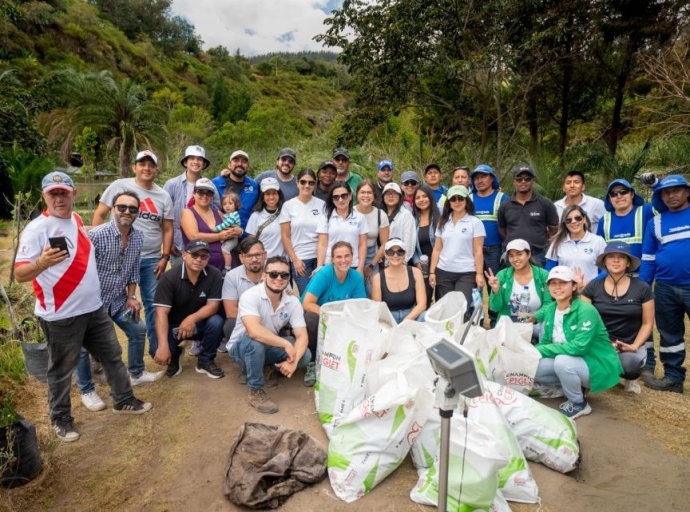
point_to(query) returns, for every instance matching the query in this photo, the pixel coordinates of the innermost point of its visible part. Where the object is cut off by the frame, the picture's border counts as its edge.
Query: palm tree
(118, 110)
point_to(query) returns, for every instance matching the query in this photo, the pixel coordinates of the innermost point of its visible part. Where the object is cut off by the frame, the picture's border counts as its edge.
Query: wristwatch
(132, 297)
(165, 257)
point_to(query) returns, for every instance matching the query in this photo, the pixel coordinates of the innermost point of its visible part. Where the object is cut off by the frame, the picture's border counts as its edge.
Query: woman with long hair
(299, 218)
(378, 227)
(400, 219)
(426, 216)
(574, 245)
(341, 222)
(263, 223)
(457, 261)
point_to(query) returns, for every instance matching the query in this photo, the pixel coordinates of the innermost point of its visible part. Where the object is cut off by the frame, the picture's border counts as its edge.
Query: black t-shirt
(425, 240)
(177, 292)
(623, 316)
(234, 186)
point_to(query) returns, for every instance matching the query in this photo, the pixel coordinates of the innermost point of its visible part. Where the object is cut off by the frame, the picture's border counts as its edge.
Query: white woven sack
(447, 315)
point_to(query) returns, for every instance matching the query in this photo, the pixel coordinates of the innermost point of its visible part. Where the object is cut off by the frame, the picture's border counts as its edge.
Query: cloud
(258, 26)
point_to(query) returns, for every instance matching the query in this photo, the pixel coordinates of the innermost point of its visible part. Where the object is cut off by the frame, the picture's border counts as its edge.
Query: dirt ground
(636, 453)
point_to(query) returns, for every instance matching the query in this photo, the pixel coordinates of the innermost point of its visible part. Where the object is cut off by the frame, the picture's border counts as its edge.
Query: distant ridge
(288, 56)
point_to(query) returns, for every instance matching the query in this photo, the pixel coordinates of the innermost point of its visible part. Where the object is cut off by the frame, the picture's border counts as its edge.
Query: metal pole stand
(448, 401)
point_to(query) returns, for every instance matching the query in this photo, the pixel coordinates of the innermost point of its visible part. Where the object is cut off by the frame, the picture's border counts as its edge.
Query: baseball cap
(341, 152)
(146, 154)
(327, 163)
(239, 152)
(197, 245)
(432, 166)
(672, 180)
(518, 245)
(409, 176)
(561, 273)
(204, 184)
(57, 180)
(392, 186)
(524, 168)
(385, 163)
(618, 247)
(195, 151)
(457, 190)
(394, 242)
(288, 152)
(269, 184)
(637, 200)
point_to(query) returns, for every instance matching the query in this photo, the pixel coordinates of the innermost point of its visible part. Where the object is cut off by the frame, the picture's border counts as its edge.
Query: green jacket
(587, 338)
(500, 302)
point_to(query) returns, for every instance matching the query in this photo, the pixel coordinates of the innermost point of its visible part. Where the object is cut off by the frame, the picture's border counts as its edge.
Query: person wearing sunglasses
(199, 221)
(256, 342)
(264, 224)
(409, 181)
(341, 159)
(285, 165)
(400, 286)
(575, 246)
(528, 215)
(341, 222)
(299, 218)
(457, 261)
(187, 303)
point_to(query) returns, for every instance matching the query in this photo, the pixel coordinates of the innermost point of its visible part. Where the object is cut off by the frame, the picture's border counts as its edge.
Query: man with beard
(235, 179)
(285, 163)
(325, 178)
(341, 158)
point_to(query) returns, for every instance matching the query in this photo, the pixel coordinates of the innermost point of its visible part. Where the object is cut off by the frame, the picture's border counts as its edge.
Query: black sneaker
(210, 368)
(132, 406)
(65, 431)
(175, 365)
(665, 384)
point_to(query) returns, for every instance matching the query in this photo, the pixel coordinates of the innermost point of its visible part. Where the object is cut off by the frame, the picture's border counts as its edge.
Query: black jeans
(456, 282)
(95, 332)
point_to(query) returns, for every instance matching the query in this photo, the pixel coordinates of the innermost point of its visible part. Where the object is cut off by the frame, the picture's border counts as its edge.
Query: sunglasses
(577, 218)
(340, 197)
(395, 252)
(287, 159)
(276, 275)
(456, 199)
(307, 183)
(122, 208)
(618, 193)
(524, 179)
(203, 256)
(410, 183)
(203, 193)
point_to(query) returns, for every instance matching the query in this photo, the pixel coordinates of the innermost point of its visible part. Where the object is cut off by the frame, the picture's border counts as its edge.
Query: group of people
(253, 260)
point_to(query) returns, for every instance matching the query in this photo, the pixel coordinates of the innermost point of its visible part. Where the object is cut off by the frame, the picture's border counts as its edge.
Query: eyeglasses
(203, 256)
(122, 208)
(395, 252)
(276, 275)
(203, 193)
(256, 256)
(618, 193)
(577, 218)
(524, 179)
(307, 183)
(365, 193)
(410, 183)
(340, 197)
(456, 199)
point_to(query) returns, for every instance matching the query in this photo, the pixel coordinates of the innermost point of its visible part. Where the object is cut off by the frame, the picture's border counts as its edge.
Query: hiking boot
(270, 378)
(632, 386)
(242, 377)
(132, 406)
(175, 365)
(92, 401)
(259, 401)
(196, 348)
(647, 374)
(573, 410)
(145, 378)
(65, 431)
(665, 384)
(310, 375)
(210, 368)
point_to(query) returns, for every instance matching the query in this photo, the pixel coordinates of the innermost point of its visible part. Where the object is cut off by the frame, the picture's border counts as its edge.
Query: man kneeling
(264, 310)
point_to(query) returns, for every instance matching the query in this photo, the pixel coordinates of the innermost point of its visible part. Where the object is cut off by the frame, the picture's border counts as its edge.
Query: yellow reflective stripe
(497, 203)
(637, 239)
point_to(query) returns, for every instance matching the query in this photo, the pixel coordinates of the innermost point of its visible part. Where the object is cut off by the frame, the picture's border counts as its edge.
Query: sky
(257, 26)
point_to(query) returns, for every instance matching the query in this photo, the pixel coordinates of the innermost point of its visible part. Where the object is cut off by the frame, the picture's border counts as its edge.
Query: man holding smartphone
(187, 301)
(69, 306)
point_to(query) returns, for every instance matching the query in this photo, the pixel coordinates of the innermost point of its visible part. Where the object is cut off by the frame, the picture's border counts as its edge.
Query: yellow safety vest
(636, 239)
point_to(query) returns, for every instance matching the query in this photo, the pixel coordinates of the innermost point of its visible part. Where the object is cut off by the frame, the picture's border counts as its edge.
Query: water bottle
(424, 260)
(477, 302)
(523, 308)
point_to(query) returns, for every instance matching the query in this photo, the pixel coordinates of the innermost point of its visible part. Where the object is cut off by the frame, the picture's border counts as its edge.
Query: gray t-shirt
(154, 207)
(289, 188)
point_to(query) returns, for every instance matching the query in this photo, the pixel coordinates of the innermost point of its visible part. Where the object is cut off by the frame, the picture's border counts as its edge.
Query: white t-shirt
(154, 207)
(593, 206)
(236, 283)
(345, 230)
(457, 254)
(69, 288)
(558, 336)
(534, 300)
(271, 234)
(303, 219)
(372, 219)
(255, 302)
(582, 253)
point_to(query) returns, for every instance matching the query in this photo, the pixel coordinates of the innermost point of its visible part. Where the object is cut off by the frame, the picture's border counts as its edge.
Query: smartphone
(59, 242)
(176, 332)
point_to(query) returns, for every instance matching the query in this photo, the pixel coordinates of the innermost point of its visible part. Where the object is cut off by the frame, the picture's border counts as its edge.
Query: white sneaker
(145, 378)
(92, 401)
(632, 386)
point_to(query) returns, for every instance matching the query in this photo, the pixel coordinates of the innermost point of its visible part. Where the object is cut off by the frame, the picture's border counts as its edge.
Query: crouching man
(264, 311)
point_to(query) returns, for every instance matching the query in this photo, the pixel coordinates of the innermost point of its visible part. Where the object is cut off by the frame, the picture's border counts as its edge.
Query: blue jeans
(539, 257)
(147, 287)
(371, 252)
(492, 260)
(210, 334)
(254, 355)
(672, 304)
(303, 281)
(94, 332)
(569, 372)
(400, 314)
(136, 339)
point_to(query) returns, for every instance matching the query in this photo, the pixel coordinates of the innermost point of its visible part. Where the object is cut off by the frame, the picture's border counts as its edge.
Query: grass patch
(12, 362)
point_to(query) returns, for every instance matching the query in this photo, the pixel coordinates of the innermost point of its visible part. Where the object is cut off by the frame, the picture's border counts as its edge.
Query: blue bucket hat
(637, 200)
(483, 169)
(672, 180)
